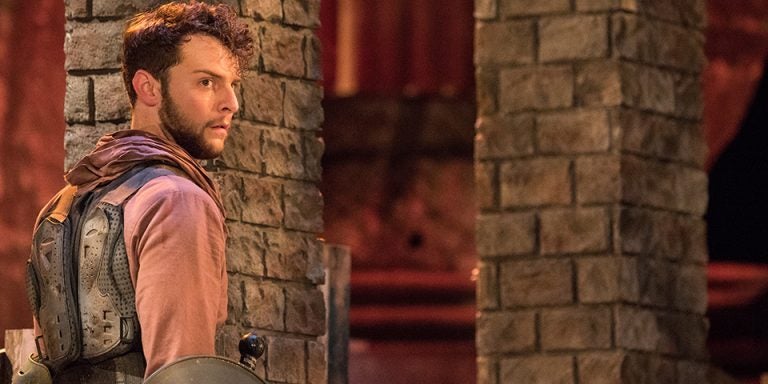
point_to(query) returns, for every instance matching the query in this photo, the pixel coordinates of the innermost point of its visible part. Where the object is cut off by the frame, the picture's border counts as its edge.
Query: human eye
(206, 83)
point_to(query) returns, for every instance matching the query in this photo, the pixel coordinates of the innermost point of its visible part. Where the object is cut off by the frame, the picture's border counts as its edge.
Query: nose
(229, 102)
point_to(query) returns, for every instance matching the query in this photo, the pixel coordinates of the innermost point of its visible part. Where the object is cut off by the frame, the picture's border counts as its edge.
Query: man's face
(199, 97)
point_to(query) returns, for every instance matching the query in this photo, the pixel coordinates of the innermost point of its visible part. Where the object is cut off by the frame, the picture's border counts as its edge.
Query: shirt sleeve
(175, 240)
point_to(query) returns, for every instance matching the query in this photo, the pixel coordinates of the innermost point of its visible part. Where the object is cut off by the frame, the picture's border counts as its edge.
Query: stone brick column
(591, 191)
(268, 173)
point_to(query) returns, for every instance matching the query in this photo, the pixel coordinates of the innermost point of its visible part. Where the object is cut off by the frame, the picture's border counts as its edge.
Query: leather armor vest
(78, 281)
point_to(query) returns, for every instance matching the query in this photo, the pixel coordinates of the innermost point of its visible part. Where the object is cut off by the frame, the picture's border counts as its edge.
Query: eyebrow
(217, 76)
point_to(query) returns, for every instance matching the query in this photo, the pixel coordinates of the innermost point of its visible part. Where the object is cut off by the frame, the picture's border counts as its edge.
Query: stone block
(537, 370)
(261, 202)
(304, 310)
(598, 83)
(692, 372)
(243, 149)
(76, 9)
(235, 298)
(663, 185)
(93, 45)
(282, 50)
(303, 207)
(683, 335)
(286, 360)
(690, 13)
(108, 8)
(486, 9)
(110, 98)
(573, 37)
(691, 289)
(515, 8)
(487, 291)
(283, 153)
(314, 147)
(576, 328)
(506, 332)
(487, 370)
(536, 88)
(656, 282)
(506, 234)
(657, 43)
(246, 247)
(598, 179)
(263, 98)
(663, 234)
(540, 181)
(504, 136)
(606, 5)
(607, 279)
(264, 305)
(601, 368)
(487, 80)
(580, 230)
(536, 282)
(313, 57)
(573, 131)
(304, 13)
(637, 328)
(302, 105)
(688, 97)
(648, 88)
(77, 100)
(662, 137)
(231, 187)
(316, 363)
(270, 10)
(485, 185)
(507, 42)
(294, 256)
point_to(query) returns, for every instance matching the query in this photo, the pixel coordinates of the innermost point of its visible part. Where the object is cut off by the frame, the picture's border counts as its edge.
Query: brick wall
(591, 191)
(268, 173)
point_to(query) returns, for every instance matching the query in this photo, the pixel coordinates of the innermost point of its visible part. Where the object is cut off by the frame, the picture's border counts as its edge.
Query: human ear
(147, 88)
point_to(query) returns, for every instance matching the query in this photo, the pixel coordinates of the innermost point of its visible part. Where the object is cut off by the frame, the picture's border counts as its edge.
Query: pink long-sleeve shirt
(175, 239)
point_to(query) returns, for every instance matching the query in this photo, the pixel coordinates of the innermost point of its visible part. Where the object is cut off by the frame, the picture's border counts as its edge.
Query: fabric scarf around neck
(119, 152)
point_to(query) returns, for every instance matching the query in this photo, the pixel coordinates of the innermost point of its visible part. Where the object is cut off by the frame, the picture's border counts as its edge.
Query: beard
(183, 130)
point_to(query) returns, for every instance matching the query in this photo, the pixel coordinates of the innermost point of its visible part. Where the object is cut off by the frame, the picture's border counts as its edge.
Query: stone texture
(537, 370)
(231, 187)
(663, 234)
(110, 98)
(537, 88)
(598, 83)
(76, 8)
(262, 99)
(486, 9)
(79, 140)
(536, 282)
(506, 332)
(271, 10)
(539, 181)
(312, 57)
(485, 185)
(77, 102)
(574, 231)
(506, 234)
(84, 51)
(636, 329)
(648, 88)
(600, 367)
(504, 136)
(242, 150)
(314, 147)
(487, 371)
(656, 42)
(607, 279)
(487, 83)
(511, 8)
(509, 42)
(280, 46)
(598, 179)
(304, 311)
(303, 207)
(316, 363)
(689, 103)
(283, 153)
(302, 105)
(575, 328)
(487, 291)
(662, 185)
(573, 37)
(662, 137)
(261, 202)
(103, 8)
(606, 5)
(264, 305)
(293, 256)
(246, 247)
(286, 360)
(573, 131)
(691, 289)
(235, 300)
(305, 13)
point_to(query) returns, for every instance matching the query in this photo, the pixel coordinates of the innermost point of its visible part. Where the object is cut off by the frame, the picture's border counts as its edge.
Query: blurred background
(398, 174)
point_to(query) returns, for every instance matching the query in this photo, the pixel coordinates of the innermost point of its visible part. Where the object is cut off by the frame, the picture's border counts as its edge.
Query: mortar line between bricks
(650, 17)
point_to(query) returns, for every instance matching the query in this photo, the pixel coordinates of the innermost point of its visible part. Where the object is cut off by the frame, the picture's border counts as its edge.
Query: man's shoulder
(170, 189)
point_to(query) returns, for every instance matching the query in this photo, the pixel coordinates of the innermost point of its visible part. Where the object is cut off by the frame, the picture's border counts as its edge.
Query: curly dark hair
(151, 39)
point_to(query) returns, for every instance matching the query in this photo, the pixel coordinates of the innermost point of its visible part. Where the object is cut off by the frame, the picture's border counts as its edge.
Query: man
(181, 67)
